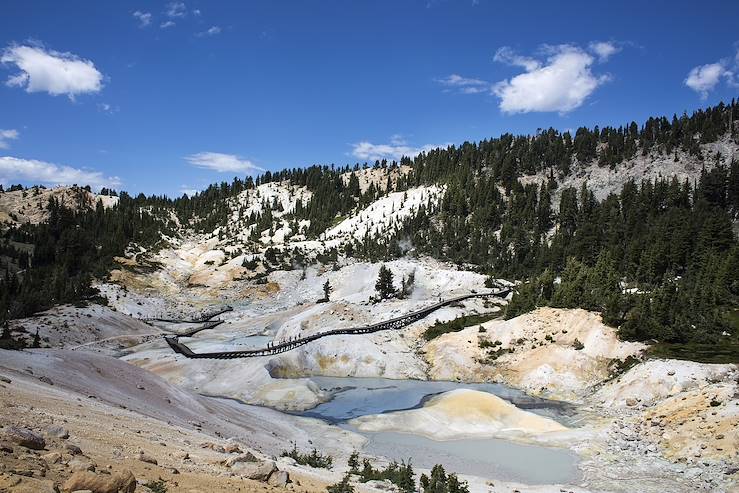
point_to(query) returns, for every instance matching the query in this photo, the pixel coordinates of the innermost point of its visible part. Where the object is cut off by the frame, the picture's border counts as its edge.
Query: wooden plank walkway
(272, 349)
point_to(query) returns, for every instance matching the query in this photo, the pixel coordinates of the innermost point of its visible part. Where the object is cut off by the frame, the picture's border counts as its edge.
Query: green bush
(457, 324)
(313, 459)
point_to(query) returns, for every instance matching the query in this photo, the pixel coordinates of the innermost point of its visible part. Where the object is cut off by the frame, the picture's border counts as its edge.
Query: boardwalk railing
(392, 324)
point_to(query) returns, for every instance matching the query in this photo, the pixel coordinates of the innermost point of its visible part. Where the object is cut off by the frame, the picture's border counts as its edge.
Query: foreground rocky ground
(56, 438)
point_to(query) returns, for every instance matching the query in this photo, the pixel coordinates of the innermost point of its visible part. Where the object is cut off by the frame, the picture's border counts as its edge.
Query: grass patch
(457, 324)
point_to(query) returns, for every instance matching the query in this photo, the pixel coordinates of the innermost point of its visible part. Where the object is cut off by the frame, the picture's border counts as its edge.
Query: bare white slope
(94, 327)
(280, 198)
(31, 206)
(385, 213)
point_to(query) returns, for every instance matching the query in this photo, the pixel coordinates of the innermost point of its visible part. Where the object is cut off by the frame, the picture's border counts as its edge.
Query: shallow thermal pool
(489, 457)
(226, 343)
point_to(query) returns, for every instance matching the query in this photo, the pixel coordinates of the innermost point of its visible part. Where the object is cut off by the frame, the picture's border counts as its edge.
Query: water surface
(486, 457)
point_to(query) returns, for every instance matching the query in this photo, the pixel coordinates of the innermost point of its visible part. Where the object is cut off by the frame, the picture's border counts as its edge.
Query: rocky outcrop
(118, 482)
(24, 437)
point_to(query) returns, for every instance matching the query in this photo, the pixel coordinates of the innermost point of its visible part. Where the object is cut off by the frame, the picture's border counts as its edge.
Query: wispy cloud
(6, 136)
(223, 163)
(604, 49)
(144, 18)
(396, 149)
(167, 24)
(561, 82)
(176, 9)
(508, 56)
(107, 108)
(465, 85)
(44, 173)
(43, 70)
(211, 31)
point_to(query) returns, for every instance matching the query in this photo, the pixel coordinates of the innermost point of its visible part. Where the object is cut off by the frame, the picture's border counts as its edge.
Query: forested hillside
(659, 258)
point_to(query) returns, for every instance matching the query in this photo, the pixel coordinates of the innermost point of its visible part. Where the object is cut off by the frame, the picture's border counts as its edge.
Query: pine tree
(353, 462)
(327, 289)
(36, 341)
(384, 285)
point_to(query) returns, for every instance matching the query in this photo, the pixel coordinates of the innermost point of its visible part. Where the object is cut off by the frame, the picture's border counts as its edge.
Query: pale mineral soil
(662, 426)
(30, 206)
(114, 411)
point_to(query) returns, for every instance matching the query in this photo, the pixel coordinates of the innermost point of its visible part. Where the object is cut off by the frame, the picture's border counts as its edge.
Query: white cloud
(43, 173)
(6, 135)
(176, 9)
(165, 25)
(704, 78)
(397, 148)
(53, 72)
(604, 49)
(196, 12)
(465, 85)
(144, 18)
(561, 83)
(507, 55)
(212, 31)
(222, 163)
(398, 140)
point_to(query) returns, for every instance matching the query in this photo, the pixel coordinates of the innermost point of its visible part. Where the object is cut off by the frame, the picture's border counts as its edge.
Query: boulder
(46, 380)
(57, 432)
(52, 458)
(24, 437)
(81, 464)
(147, 458)
(213, 446)
(72, 449)
(382, 485)
(247, 457)
(260, 470)
(118, 482)
(279, 479)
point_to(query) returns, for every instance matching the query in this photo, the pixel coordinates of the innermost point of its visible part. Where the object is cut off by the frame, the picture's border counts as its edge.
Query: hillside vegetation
(658, 257)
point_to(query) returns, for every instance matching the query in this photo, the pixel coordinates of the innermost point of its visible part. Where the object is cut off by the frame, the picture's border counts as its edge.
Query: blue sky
(161, 97)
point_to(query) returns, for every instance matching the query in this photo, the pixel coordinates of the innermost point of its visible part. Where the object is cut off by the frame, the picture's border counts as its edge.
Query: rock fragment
(24, 437)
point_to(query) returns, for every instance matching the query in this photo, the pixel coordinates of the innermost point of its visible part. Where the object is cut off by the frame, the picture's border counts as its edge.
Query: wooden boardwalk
(272, 349)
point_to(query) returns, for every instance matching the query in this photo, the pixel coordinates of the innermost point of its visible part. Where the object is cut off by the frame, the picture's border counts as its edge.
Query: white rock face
(603, 180)
(543, 359)
(656, 380)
